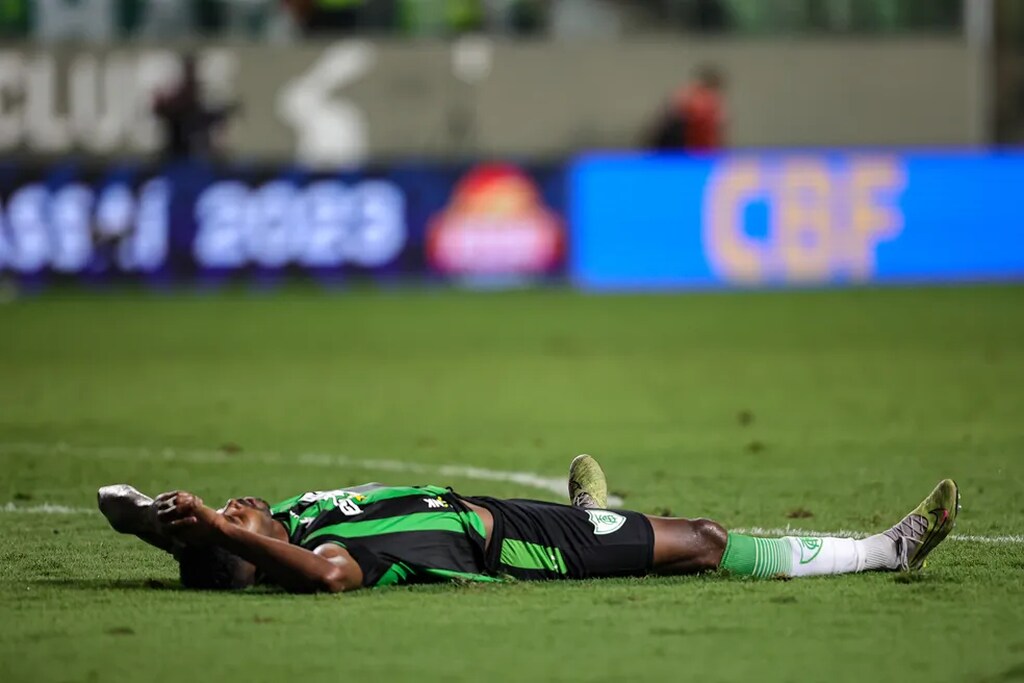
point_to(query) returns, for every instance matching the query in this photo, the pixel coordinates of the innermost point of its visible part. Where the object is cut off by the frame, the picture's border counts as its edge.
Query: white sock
(879, 552)
(819, 556)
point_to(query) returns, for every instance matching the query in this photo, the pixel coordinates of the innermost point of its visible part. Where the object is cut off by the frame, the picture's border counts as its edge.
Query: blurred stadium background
(483, 141)
(242, 244)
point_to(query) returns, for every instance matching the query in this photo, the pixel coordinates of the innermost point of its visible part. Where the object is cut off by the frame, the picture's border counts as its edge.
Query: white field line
(44, 509)
(1016, 539)
(556, 485)
(550, 484)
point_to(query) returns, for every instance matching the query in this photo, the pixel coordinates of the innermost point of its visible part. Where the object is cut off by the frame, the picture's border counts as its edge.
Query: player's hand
(184, 516)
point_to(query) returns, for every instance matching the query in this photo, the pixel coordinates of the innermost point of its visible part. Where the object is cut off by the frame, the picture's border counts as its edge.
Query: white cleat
(125, 507)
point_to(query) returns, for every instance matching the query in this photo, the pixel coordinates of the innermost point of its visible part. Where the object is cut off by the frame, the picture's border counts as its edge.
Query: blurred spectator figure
(694, 119)
(189, 124)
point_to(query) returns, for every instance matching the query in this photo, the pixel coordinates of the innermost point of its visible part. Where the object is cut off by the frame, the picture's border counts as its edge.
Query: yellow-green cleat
(926, 526)
(587, 485)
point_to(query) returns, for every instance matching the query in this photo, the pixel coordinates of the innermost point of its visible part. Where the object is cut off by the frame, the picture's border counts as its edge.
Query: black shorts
(532, 540)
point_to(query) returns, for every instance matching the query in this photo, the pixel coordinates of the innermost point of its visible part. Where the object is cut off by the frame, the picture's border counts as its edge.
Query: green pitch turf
(819, 410)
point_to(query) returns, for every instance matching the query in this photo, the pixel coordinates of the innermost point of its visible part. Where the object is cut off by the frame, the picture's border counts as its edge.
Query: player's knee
(712, 538)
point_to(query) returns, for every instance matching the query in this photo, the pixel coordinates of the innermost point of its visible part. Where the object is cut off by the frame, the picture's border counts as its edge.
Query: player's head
(252, 514)
(211, 568)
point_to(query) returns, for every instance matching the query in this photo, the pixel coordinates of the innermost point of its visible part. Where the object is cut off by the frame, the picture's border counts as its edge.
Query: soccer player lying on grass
(374, 535)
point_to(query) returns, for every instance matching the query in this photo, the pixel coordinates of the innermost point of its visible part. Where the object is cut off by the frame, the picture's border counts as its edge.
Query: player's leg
(690, 546)
(131, 512)
(687, 546)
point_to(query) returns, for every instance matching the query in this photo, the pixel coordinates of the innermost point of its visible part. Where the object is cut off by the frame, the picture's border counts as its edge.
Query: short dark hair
(210, 569)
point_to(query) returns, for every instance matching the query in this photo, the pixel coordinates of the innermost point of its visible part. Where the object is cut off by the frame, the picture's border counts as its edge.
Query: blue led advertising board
(807, 218)
(182, 222)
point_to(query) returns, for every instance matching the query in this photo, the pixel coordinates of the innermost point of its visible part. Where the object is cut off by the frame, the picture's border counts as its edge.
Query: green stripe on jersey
(475, 523)
(310, 505)
(524, 555)
(421, 521)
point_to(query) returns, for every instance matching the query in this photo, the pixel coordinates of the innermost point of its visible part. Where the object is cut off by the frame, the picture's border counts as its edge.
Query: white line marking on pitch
(554, 485)
(44, 509)
(846, 533)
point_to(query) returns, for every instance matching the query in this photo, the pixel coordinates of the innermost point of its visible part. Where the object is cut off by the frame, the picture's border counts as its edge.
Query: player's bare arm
(243, 529)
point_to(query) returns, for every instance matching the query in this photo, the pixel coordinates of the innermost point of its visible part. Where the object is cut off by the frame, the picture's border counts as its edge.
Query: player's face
(252, 514)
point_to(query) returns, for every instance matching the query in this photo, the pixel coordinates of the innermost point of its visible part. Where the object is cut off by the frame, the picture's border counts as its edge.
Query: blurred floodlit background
(490, 141)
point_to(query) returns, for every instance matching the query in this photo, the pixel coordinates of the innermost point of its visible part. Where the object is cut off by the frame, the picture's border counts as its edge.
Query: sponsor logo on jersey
(605, 521)
(342, 499)
(348, 507)
(433, 503)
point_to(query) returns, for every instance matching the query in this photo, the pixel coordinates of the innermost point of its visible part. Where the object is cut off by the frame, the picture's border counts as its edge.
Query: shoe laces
(907, 534)
(912, 526)
(584, 500)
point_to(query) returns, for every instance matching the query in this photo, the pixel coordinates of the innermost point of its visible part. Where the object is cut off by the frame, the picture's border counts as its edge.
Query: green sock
(761, 557)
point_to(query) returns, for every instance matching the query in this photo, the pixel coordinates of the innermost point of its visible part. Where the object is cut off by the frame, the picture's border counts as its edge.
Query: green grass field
(820, 410)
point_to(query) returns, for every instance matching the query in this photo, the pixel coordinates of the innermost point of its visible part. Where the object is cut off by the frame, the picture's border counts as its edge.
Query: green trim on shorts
(525, 555)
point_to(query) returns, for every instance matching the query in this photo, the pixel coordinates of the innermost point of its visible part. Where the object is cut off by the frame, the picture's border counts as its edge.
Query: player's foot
(587, 485)
(125, 507)
(926, 526)
(130, 511)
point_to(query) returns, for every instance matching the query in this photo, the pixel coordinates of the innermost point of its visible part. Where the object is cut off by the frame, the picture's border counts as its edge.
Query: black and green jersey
(397, 534)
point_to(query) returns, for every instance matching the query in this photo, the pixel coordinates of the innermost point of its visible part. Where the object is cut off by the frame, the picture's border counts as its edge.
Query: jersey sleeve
(285, 506)
(374, 568)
